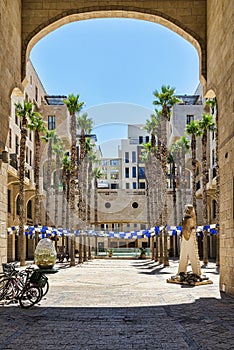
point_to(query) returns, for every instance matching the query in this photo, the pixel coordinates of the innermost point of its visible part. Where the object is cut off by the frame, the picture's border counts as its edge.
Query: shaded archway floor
(121, 304)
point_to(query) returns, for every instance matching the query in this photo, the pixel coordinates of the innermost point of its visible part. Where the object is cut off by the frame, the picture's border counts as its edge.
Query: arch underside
(135, 13)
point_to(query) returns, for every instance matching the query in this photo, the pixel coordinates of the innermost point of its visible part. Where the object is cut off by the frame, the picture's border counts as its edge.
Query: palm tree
(85, 125)
(212, 103)
(24, 112)
(152, 127)
(194, 131)
(206, 124)
(166, 100)
(38, 126)
(96, 174)
(174, 151)
(48, 138)
(65, 197)
(183, 144)
(57, 148)
(146, 157)
(92, 158)
(73, 106)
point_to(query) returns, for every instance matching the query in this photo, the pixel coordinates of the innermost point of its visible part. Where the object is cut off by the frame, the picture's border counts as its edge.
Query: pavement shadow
(207, 323)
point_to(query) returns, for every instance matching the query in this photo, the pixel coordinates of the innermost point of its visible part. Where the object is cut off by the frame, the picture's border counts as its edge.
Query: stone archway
(187, 19)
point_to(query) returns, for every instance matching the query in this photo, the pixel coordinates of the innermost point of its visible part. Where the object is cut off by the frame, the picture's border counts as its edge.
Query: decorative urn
(45, 254)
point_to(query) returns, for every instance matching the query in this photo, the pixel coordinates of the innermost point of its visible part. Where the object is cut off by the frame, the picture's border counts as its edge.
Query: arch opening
(156, 17)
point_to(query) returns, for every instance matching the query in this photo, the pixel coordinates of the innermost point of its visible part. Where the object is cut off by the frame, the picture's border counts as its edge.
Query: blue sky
(114, 63)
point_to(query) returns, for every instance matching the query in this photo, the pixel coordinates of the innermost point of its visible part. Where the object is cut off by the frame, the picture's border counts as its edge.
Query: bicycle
(27, 286)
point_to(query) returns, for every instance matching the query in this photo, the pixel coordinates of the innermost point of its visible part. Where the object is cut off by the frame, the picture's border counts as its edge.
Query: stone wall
(220, 78)
(10, 59)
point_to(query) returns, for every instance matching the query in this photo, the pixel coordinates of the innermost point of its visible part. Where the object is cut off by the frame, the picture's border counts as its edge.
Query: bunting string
(46, 231)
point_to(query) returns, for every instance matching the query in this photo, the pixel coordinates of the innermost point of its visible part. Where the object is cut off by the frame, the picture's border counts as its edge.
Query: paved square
(112, 304)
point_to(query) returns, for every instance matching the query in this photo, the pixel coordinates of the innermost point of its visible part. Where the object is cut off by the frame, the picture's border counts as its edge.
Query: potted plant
(110, 252)
(143, 253)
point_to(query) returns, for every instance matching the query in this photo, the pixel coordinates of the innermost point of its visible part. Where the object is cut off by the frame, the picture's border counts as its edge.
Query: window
(10, 138)
(135, 205)
(36, 93)
(189, 118)
(9, 201)
(114, 175)
(141, 172)
(114, 186)
(16, 144)
(140, 140)
(134, 172)
(214, 205)
(30, 157)
(126, 157)
(142, 185)
(18, 206)
(127, 173)
(213, 157)
(104, 162)
(114, 162)
(26, 154)
(51, 122)
(30, 80)
(16, 118)
(134, 185)
(147, 139)
(127, 186)
(134, 156)
(29, 210)
(107, 205)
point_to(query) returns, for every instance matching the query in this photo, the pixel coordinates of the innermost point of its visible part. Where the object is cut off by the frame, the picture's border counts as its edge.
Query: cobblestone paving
(121, 304)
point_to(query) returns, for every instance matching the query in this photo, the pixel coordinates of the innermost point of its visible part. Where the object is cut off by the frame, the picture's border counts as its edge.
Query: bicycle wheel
(30, 296)
(3, 287)
(45, 289)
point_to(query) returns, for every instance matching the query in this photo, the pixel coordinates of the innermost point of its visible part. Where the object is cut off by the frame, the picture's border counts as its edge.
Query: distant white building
(133, 169)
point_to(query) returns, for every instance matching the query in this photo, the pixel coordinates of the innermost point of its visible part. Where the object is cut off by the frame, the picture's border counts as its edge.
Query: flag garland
(46, 231)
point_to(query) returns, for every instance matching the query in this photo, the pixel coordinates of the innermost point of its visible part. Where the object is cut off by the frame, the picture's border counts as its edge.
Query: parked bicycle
(26, 287)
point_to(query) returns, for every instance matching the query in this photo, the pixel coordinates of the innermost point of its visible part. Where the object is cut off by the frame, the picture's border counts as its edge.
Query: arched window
(29, 210)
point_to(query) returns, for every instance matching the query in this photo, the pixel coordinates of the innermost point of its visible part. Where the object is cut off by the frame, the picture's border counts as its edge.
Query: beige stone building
(204, 23)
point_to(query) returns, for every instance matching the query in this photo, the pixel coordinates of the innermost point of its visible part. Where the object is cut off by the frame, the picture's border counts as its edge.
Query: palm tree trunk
(217, 188)
(37, 214)
(64, 198)
(80, 249)
(72, 188)
(164, 168)
(194, 169)
(204, 195)
(56, 188)
(22, 252)
(48, 184)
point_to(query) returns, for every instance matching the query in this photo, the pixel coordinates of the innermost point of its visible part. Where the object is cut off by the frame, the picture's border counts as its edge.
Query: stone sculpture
(189, 252)
(189, 249)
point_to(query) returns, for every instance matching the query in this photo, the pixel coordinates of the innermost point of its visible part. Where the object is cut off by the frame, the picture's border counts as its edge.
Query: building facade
(204, 23)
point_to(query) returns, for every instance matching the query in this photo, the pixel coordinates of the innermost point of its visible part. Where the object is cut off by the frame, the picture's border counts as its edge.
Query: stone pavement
(110, 304)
